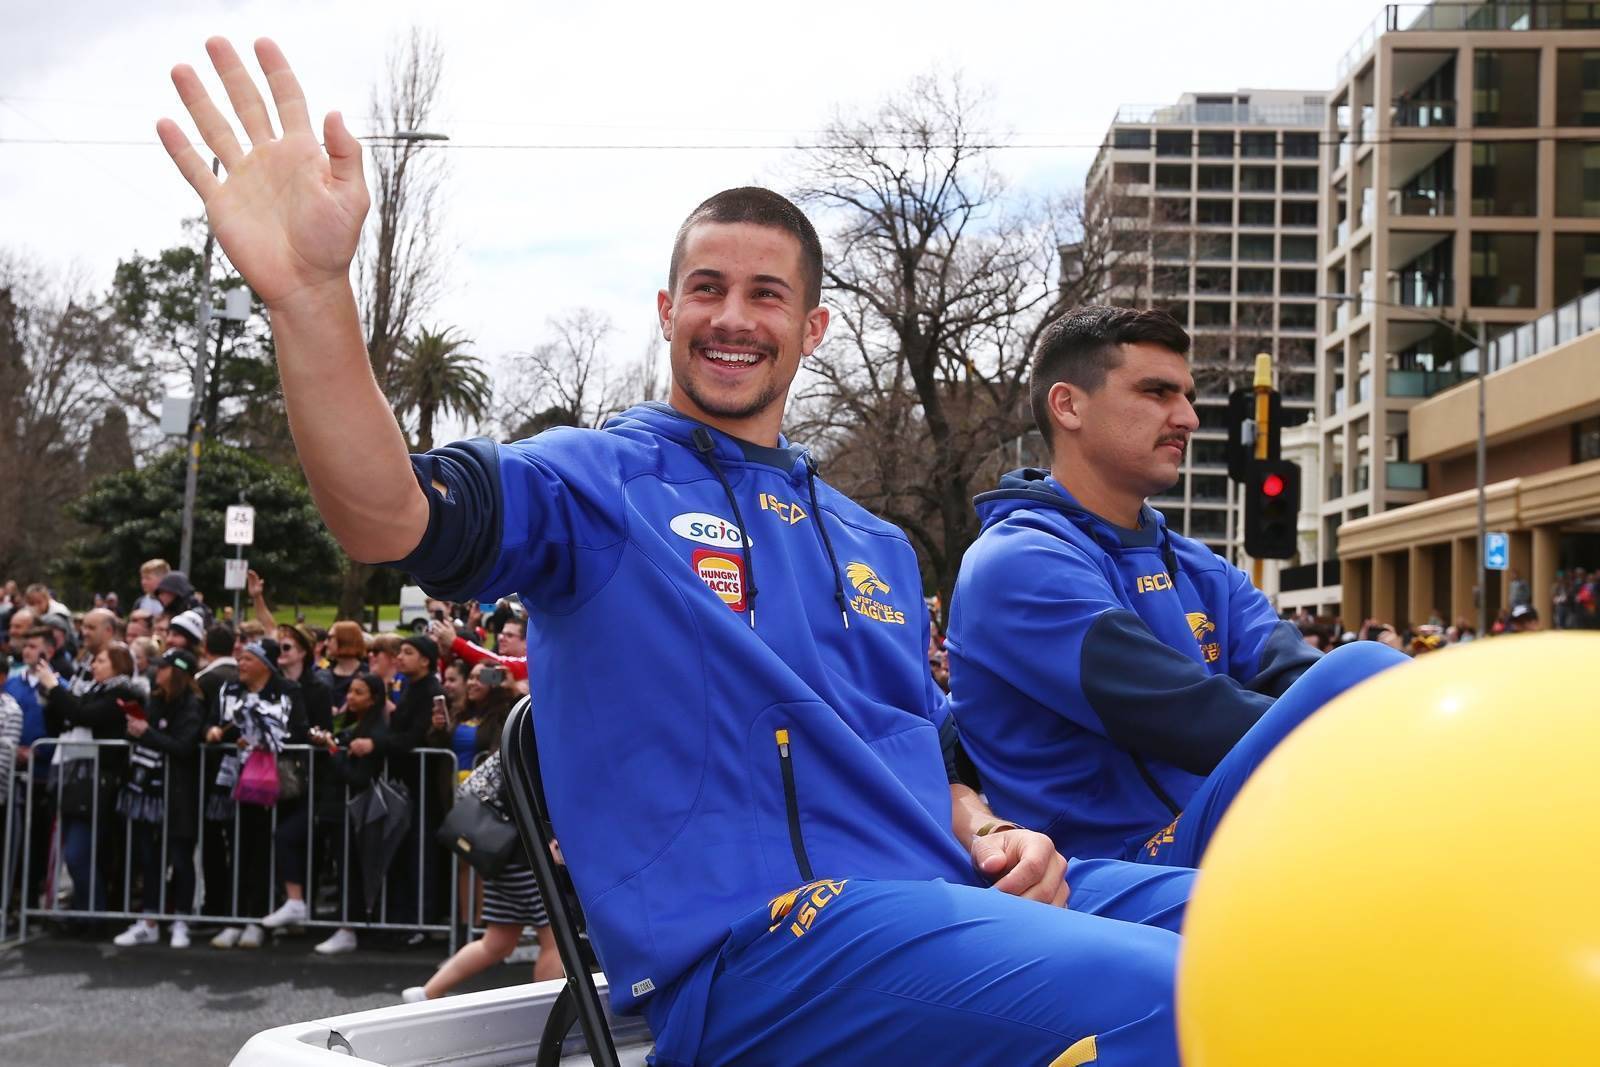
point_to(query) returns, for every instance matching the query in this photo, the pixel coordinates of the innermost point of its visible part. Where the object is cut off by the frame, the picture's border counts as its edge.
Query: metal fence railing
(38, 792)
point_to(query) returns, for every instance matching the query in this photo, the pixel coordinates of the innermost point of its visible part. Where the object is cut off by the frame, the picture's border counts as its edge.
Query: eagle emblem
(865, 579)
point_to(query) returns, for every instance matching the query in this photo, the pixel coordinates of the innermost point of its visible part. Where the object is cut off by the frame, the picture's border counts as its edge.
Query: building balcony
(1419, 383)
(1435, 205)
(1404, 477)
(1422, 114)
(1519, 15)
(1415, 288)
(1219, 114)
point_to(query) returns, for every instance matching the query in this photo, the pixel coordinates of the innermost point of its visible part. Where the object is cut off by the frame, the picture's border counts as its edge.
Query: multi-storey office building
(1213, 204)
(1462, 181)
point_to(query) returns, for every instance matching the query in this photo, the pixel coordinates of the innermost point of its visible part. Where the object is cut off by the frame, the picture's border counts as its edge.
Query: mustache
(766, 348)
(1179, 439)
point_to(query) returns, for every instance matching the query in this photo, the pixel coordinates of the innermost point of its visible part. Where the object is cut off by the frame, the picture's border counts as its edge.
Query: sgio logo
(708, 530)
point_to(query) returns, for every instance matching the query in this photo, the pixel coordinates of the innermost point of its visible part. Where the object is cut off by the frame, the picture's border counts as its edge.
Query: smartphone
(131, 707)
(440, 707)
(492, 676)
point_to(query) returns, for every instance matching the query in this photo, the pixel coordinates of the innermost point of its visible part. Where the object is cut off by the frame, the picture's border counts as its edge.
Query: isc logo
(1153, 583)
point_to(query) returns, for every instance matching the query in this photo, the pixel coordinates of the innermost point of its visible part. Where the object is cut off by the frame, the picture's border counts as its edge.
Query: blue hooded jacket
(728, 662)
(1098, 674)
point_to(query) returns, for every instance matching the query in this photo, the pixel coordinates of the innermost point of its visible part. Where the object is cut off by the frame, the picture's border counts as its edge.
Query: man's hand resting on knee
(1024, 863)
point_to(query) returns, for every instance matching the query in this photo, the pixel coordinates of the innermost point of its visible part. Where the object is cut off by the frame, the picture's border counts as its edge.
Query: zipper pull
(783, 744)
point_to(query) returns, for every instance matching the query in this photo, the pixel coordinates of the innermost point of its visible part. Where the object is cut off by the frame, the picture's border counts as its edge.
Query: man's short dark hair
(761, 207)
(219, 640)
(1084, 345)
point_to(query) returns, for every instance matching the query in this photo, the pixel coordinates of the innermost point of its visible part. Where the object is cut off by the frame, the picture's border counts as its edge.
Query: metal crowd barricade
(8, 859)
(103, 819)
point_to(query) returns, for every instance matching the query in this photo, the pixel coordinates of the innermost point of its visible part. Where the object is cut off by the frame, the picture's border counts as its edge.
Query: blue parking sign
(1496, 551)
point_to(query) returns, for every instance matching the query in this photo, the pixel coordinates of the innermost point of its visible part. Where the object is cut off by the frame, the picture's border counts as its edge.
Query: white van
(413, 609)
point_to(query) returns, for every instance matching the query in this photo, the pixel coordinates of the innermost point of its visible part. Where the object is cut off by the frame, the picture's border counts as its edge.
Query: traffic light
(1241, 441)
(1271, 508)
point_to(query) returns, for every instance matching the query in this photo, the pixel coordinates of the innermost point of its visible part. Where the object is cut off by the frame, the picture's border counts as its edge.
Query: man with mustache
(1115, 682)
(743, 751)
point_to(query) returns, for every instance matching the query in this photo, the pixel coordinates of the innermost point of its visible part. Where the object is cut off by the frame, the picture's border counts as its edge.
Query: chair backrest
(520, 755)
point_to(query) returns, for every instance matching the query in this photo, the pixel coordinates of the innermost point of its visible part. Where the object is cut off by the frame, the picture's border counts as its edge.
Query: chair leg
(563, 1016)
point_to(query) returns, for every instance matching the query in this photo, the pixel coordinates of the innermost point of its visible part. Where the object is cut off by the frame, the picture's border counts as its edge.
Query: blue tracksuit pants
(874, 972)
(1184, 841)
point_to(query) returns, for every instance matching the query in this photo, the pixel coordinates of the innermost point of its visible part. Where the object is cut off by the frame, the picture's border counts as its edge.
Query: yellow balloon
(1412, 877)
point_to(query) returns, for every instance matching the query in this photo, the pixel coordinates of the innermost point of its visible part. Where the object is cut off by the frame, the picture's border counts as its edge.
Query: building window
(1577, 265)
(1208, 488)
(1505, 88)
(1215, 143)
(1126, 138)
(1171, 211)
(1300, 146)
(1299, 249)
(1178, 309)
(1173, 143)
(1214, 246)
(1172, 176)
(1212, 313)
(1578, 179)
(1127, 277)
(1209, 453)
(1131, 207)
(1297, 351)
(1128, 240)
(1586, 440)
(1215, 179)
(1299, 213)
(1255, 247)
(1172, 279)
(1297, 282)
(1255, 281)
(1130, 173)
(1255, 212)
(1257, 146)
(1299, 179)
(1214, 212)
(1257, 180)
(1297, 316)
(1255, 317)
(1504, 177)
(1212, 280)
(1503, 269)
(1577, 88)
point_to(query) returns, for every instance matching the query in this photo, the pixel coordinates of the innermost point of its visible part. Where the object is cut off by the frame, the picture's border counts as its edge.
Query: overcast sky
(533, 233)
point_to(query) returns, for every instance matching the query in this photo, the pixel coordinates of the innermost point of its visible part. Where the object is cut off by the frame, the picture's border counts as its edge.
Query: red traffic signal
(1271, 509)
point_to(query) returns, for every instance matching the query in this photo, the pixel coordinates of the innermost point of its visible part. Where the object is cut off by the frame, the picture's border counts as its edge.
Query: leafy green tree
(155, 299)
(137, 514)
(436, 375)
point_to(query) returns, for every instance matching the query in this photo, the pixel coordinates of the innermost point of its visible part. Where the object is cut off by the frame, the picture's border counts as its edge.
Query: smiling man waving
(743, 747)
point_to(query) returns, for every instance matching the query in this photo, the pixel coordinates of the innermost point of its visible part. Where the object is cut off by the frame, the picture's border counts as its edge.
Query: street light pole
(1482, 342)
(197, 429)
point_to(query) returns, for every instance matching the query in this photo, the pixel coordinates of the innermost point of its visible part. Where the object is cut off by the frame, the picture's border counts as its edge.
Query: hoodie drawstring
(707, 448)
(827, 545)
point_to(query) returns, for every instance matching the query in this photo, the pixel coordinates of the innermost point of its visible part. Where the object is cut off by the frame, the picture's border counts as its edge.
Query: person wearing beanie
(187, 629)
(163, 779)
(176, 594)
(259, 712)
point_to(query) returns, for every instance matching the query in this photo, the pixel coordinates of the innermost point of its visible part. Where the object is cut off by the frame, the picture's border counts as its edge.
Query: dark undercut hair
(1084, 345)
(760, 207)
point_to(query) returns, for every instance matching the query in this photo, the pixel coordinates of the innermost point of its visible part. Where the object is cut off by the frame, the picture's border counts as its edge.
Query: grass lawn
(323, 614)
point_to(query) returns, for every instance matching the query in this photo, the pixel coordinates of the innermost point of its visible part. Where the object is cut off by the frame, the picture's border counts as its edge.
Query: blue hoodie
(1098, 674)
(728, 659)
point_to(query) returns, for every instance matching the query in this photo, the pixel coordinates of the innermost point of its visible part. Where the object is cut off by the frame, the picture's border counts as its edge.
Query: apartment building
(1213, 203)
(1461, 182)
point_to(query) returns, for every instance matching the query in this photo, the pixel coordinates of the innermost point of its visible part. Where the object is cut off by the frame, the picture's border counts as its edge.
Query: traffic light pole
(1263, 387)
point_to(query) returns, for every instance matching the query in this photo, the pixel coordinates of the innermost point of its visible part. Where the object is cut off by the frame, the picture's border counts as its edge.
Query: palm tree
(436, 375)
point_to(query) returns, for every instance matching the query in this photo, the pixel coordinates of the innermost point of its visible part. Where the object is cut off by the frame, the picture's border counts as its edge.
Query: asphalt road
(81, 1002)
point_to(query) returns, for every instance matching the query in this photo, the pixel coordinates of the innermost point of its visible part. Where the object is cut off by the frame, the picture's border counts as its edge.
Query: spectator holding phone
(471, 725)
(163, 779)
(511, 647)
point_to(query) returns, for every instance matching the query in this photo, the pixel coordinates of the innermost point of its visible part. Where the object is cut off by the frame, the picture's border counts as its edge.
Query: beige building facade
(1462, 183)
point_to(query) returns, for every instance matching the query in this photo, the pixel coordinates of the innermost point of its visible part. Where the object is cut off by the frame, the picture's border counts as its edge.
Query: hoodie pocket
(791, 804)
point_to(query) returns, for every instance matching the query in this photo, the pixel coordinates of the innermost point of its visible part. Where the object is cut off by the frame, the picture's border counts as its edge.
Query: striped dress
(512, 898)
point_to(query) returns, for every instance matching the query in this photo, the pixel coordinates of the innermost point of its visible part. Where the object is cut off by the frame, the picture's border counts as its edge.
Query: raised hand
(289, 213)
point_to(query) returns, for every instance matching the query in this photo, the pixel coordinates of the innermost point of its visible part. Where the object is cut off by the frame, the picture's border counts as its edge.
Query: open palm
(289, 214)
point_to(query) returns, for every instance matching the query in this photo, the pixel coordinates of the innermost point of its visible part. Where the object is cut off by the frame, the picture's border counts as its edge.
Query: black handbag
(481, 834)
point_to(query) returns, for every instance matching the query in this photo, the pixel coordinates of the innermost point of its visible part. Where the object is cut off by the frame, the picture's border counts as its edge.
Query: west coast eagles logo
(1202, 627)
(867, 584)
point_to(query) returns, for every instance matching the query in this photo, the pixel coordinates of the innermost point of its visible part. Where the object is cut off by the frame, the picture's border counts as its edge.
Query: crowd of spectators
(173, 822)
(1573, 604)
